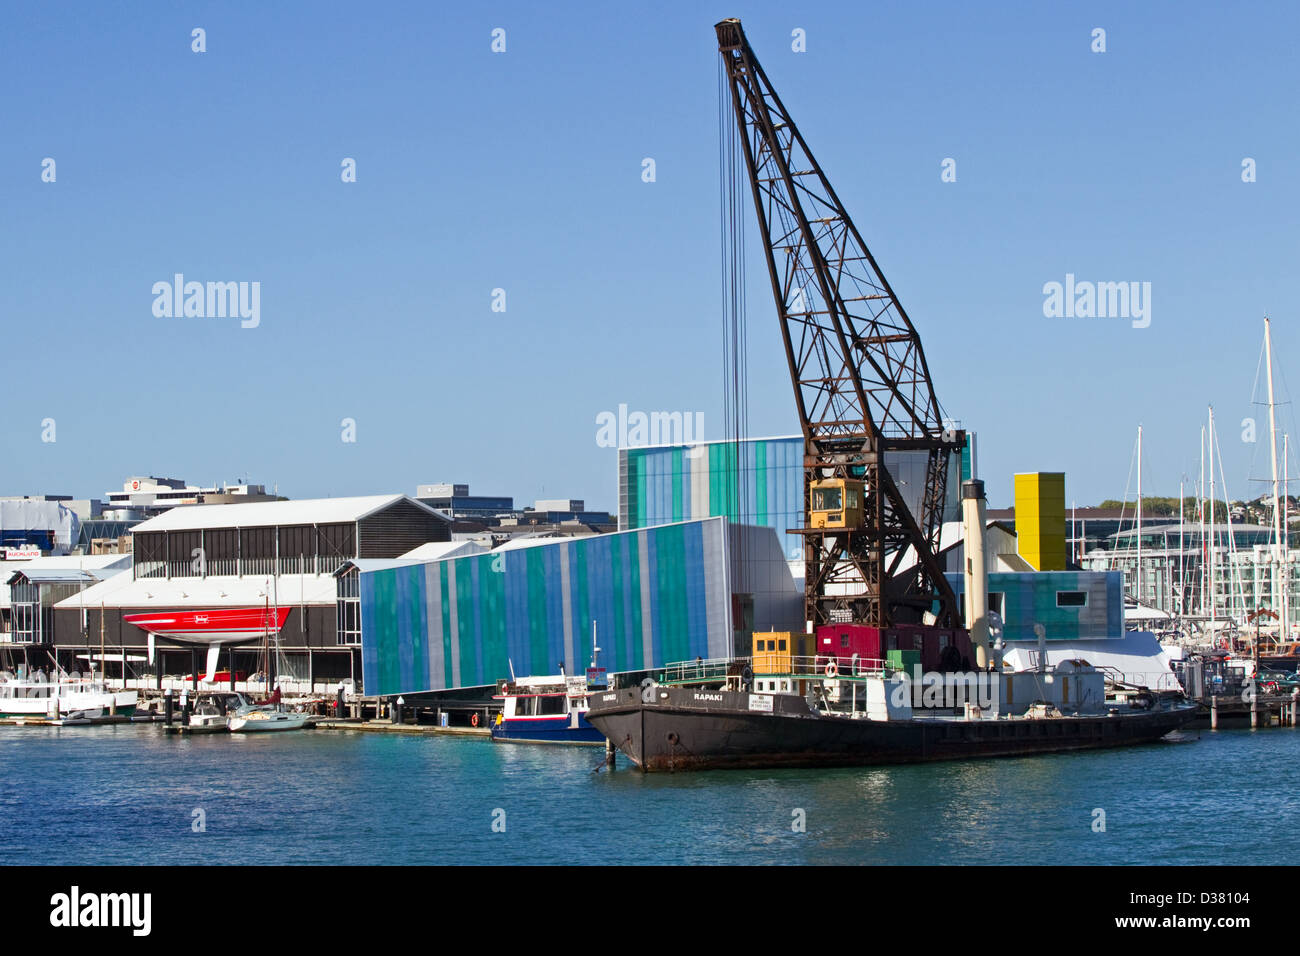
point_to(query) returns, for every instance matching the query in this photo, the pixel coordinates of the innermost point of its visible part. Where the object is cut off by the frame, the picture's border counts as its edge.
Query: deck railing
(805, 668)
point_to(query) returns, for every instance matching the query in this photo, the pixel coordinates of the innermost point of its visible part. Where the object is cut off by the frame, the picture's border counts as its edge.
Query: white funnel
(976, 572)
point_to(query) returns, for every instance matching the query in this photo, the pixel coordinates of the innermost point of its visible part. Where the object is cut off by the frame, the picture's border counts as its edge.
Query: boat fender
(832, 669)
(473, 720)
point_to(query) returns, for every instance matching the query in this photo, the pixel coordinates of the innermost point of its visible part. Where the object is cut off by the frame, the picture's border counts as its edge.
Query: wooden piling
(1214, 713)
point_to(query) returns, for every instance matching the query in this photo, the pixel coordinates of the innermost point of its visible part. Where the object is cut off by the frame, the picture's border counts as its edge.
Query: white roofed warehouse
(235, 577)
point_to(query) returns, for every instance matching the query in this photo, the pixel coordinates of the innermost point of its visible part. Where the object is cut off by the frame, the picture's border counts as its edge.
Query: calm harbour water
(126, 795)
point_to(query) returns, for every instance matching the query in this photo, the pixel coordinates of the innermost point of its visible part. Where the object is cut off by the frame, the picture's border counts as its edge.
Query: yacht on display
(207, 627)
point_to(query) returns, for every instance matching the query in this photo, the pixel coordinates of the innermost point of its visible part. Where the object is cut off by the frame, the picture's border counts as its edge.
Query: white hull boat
(262, 721)
(69, 698)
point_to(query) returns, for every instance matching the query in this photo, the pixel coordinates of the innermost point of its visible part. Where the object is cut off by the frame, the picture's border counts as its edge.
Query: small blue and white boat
(548, 710)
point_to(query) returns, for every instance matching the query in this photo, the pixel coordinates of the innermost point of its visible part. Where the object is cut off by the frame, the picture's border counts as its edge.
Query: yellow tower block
(1040, 519)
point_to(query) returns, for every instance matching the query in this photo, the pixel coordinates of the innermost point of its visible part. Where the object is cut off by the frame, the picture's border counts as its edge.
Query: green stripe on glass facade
(680, 483)
(664, 484)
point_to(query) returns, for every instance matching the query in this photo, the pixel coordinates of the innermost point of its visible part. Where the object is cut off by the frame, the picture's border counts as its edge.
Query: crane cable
(732, 179)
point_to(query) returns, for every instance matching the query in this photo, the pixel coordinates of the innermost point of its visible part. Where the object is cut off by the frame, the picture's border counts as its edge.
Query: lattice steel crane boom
(863, 391)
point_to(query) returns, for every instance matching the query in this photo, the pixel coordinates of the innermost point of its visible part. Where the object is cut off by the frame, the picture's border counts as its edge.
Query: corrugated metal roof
(437, 550)
(373, 564)
(88, 562)
(218, 591)
(261, 514)
(425, 554)
(51, 576)
(536, 540)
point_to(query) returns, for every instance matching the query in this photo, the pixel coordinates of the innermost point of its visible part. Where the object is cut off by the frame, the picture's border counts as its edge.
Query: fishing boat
(61, 698)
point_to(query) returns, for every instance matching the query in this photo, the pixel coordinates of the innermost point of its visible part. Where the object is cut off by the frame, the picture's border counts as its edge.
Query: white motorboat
(62, 698)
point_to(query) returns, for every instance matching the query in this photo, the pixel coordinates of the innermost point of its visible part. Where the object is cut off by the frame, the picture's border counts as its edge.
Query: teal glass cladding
(663, 484)
(1050, 598)
(656, 595)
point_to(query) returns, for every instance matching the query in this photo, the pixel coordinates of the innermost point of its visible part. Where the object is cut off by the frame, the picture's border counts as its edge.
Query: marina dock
(77, 721)
(388, 727)
(1266, 710)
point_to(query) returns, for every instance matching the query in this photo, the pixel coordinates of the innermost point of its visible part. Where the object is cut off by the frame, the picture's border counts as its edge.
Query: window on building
(1071, 598)
(348, 605)
(826, 499)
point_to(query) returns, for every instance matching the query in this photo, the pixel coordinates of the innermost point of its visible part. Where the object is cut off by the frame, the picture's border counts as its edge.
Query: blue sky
(522, 171)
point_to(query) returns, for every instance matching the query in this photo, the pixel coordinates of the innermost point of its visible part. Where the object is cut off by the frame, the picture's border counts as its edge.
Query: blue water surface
(129, 795)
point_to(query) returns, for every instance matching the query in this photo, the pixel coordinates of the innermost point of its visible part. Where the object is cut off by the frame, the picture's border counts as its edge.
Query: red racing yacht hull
(206, 627)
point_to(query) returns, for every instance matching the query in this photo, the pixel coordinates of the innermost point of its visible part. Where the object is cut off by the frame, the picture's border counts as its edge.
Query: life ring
(473, 720)
(832, 669)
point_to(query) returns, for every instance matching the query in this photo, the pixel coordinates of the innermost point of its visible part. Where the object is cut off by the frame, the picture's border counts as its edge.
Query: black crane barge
(864, 397)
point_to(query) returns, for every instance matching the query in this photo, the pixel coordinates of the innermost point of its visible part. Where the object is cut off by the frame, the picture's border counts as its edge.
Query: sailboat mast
(1200, 517)
(1139, 520)
(1286, 543)
(275, 590)
(1272, 450)
(266, 638)
(1212, 540)
(1179, 602)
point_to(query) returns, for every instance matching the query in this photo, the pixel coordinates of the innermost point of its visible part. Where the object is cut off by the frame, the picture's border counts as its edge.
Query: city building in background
(1177, 577)
(144, 496)
(44, 524)
(494, 520)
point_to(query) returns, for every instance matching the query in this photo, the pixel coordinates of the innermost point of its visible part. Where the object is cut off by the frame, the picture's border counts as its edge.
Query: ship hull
(678, 731)
(561, 730)
(71, 706)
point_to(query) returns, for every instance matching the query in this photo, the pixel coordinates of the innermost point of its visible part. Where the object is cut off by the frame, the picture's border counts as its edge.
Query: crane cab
(836, 503)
